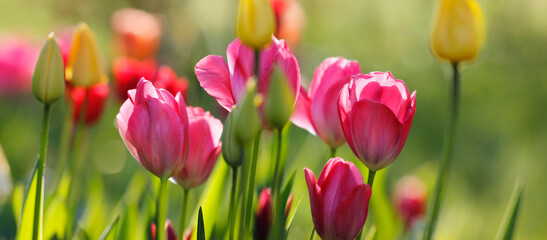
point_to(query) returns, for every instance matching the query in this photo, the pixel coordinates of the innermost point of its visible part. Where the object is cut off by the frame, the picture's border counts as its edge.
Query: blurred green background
(502, 132)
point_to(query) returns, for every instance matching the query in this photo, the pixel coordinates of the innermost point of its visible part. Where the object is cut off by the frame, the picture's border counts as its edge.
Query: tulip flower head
(255, 23)
(205, 146)
(227, 81)
(263, 219)
(154, 126)
(289, 19)
(314, 108)
(17, 60)
(96, 102)
(339, 200)
(410, 199)
(84, 66)
(48, 81)
(376, 112)
(458, 34)
(137, 33)
(128, 71)
(168, 80)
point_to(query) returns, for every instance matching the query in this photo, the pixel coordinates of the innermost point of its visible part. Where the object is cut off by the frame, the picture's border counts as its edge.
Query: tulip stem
(257, 62)
(231, 212)
(277, 159)
(38, 210)
(250, 188)
(371, 175)
(447, 153)
(312, 235)
(183, 211)
(332, 152)
(161, 209)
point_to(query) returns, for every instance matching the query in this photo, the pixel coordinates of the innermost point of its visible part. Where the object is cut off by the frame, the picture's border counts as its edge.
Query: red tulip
(226, 82)
(290, 20)
(410, 199)
(314, 109)
(205, 146)
(17, 60)
(169, 230)
(339, 200)
(376, 113)
(137, 33)
(96, 102)
(128, 71)
(263, 220)
(168, 80)
(154, 126)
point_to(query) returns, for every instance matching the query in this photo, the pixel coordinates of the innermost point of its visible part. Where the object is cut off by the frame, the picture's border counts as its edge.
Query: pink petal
(301, 114)
(351, 213)
(344, 109)
(241, 62)
(213, 75)
(316, 202)
(145, 90)
(122, 120)
(409, 116)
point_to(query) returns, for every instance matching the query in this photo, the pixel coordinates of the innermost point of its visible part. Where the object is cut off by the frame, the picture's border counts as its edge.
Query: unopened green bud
(280, 101)
(48, 80)
(232, 150)
(247, 120)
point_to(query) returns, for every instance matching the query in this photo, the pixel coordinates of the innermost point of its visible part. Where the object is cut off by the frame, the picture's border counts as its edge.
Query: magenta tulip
(376, 113)
(339, 200)
(226, 81)
(205, 146)
(154, 126)
(314, 111)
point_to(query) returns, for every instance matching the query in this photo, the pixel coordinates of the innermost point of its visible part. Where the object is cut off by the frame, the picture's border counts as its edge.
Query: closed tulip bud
(263, 219)
(84, 66)
(128, 71)
(232, 150)
(96, 102)
(154, 126)
(410, 199)
(376, 113)
(280, 101)
(48, 81)
(338, 199)
(247, 120)
(458, 34)
(255, 23)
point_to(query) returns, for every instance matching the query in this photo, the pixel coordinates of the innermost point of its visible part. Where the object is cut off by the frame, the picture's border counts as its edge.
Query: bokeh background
(502, 132)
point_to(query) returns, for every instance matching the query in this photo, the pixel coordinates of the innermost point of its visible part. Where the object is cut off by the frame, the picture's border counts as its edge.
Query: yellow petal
(255, 23)
(84, 67)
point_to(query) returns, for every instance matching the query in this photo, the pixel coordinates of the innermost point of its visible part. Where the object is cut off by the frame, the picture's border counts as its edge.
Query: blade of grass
(507, 228)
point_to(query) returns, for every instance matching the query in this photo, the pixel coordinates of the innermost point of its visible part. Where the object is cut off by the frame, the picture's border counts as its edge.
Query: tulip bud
(246, 116)
(255, 23)
(48, 81)
(83, 67)
(410, 199)
(458, 34)
(96, 102)
(232, 151)
(280, 101)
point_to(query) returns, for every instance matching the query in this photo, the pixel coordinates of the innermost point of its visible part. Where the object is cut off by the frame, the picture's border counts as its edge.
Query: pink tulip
(154, 126)
(205, 146)
(314, 111)
(226, 81)
(376, 113)
(410, 199)
(18, 57)
(339, 200)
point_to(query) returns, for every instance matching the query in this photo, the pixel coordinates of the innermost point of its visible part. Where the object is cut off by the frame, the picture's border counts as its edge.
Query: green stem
(183, 211)
(250, 188)
(447, 154)
(275, 182)
(161, 209)
(75, 148)
(38, 209)
(257, 62)
(231, 212)
(312, 235)
(332, 152)
(371, 175)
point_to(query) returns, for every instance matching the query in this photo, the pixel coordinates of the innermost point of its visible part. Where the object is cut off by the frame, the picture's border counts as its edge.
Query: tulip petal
(316, 201)
(375, 133)
(301, 115)
(409, 116)
(122, 120)
(213, 75)
(351, 214)
(241, 62)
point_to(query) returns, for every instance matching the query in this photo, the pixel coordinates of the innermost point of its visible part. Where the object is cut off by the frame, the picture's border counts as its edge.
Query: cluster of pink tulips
(259, 83)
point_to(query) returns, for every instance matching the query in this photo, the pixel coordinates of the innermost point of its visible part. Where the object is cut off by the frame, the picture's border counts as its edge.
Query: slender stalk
(74, 147)
(447, 153)
(161, 209)
(312, 235)
(275, 182)
(332, 152)
(257, 62)
(250, 188)
(38, 202)
(371, 175)
(183, 211)
(231, 212)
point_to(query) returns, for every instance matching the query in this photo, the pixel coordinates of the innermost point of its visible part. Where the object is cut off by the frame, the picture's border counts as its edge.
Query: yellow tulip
(84, 67)
(255, 23)
(48, 80)
(458, 34)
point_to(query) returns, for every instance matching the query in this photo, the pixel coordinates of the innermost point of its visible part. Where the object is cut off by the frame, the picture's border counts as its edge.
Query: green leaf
(27, 214)
(507, 228)
(292, 212)
(111, 231)
(201, 229)
(17, 201)
(371, 233)
(56, 214)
